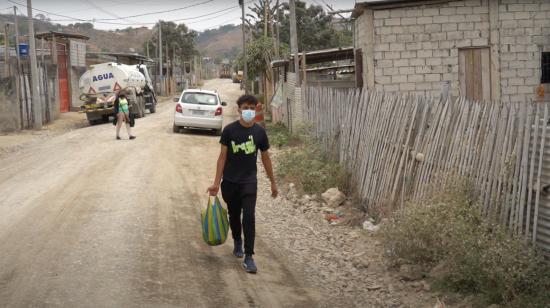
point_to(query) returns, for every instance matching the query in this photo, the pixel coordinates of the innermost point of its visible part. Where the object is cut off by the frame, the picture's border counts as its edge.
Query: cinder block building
(481, 49)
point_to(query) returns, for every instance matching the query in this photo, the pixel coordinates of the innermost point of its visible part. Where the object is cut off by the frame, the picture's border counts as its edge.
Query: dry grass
(478, 257)
(303, 162)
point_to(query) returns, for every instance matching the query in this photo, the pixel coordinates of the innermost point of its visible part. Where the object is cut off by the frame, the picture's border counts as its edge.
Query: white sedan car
(199, 109)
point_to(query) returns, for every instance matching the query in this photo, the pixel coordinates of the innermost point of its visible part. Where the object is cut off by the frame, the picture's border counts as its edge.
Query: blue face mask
(248, 115)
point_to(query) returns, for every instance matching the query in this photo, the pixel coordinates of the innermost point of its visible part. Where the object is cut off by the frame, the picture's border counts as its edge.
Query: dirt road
(88, 221)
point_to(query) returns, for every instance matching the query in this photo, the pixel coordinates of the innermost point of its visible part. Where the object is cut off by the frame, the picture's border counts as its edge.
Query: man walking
(240, 142)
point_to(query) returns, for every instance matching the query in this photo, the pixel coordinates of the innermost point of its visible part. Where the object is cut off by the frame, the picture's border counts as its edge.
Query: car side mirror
(224, 104)
(176, 99)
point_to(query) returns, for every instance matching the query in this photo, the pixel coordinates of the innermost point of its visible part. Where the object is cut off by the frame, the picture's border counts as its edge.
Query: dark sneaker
(249, 265)
(117, 138)
(238, 249)
(132, 137)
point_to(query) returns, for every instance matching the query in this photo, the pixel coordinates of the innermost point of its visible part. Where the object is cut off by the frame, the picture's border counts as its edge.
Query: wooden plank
(485, 75)
(517, 175)
(476, 81)
(533, 153)
(539, 172)
(524, 167)
(462, 72)
(405, 149)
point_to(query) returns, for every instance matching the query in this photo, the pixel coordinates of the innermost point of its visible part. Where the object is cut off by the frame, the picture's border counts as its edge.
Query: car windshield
(199, 99)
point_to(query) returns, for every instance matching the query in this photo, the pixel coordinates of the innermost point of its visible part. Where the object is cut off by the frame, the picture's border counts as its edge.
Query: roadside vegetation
(303, 163)
(447, 236)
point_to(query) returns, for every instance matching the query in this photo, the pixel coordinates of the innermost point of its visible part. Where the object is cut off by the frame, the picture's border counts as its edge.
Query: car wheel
(176, 129)
(142, 111)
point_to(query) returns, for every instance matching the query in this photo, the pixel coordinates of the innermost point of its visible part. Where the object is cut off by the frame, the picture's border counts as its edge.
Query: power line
(227, 9)
(24, 5)
(233, 8)
(158, 12)
(110, 6)
(222, 23)
(97, 7)
(107, 20)
(197, 21)
(319, 4)
(104, 20)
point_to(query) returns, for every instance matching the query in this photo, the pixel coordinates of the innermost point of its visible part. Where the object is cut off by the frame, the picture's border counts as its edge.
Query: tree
(83, 25)
(315, 28)
(178, 37)
(259, 17)
(259, 53)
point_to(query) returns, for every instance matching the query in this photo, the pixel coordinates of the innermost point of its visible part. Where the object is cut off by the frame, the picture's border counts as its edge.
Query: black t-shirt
(242, 144)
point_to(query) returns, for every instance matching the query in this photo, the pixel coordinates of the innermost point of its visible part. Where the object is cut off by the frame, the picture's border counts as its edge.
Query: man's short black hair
(251, 99)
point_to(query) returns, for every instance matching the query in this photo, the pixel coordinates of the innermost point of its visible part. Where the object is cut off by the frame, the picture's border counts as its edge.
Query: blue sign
(103, 77)
(23, 49)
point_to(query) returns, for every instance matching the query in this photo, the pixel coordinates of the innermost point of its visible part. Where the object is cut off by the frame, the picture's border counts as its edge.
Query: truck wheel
(176, 129)
(142, 111)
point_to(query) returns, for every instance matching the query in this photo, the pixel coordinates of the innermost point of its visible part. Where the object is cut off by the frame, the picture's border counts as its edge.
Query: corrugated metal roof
(386, 4)
(50, 34)
(542, 224)
(320, 56)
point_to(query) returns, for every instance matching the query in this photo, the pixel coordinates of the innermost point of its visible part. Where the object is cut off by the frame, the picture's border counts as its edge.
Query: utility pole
(148, 49)
(18, 78)
(7, 49)
(37, 108)
(167, 77)
(278, 38)
(174, 62)
(16, 24)
(294, 41)
(245, 73)
(266, 6)
(160, 59)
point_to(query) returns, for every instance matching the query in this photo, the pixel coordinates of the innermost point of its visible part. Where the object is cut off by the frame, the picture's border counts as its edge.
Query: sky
(199, 15)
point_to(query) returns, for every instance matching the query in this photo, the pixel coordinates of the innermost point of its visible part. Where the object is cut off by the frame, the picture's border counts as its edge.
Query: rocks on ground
(333, 197)
(345, 261)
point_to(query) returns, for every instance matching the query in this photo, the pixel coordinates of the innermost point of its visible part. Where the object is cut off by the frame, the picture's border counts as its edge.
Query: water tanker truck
(99, 85)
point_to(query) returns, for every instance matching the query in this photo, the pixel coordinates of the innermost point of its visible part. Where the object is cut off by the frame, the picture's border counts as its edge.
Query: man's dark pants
(241, 198)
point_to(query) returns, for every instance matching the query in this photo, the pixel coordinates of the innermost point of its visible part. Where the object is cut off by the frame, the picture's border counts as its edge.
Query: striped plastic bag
(215, 224)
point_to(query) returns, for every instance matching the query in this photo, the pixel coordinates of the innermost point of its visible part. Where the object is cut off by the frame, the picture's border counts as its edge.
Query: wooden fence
(398, 146)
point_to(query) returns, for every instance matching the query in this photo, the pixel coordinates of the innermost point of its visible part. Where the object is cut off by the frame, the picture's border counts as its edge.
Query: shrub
(308, 167)
(478, 257)
(279, 136)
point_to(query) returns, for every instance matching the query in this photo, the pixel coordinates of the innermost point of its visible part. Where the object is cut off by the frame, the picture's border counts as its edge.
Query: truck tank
(98, 87)
(111, 77)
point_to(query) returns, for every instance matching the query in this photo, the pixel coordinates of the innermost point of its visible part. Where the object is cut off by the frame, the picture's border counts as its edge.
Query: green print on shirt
(248, 147)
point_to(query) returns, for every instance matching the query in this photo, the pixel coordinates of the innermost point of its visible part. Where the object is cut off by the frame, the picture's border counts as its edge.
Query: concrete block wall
(416, 48)
(524, 34)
